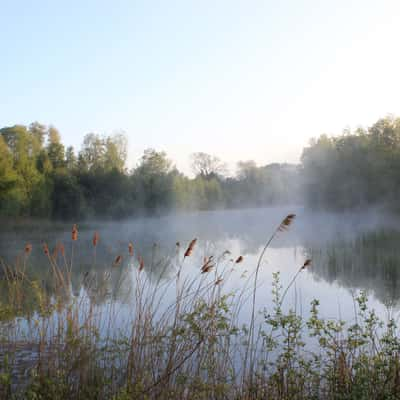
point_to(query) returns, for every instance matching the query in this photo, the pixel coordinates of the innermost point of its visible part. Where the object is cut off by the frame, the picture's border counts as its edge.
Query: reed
(59, 345)
(283, 226)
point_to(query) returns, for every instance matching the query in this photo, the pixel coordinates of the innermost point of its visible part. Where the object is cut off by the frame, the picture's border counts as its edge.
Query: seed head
(306, 264)
(74, 233)
(46, 249)
(189, 250)
(117, 260)
(95, 239)
(28, 248)
(141, 263)
(287, 221)
(207, 264)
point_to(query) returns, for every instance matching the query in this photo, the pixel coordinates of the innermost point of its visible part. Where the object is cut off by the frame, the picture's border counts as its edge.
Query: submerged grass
(55, 344)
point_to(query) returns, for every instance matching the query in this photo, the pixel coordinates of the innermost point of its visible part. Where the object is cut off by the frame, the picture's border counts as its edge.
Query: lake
(349, 252)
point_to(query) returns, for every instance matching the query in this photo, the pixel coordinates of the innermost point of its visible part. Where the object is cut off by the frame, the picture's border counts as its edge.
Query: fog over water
(349, 252)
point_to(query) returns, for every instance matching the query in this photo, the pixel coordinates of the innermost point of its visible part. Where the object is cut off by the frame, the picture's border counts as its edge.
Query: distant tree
(22, 145)
(207, 166)
(20, 142)
(55, 149)
(70, 158)
(67, 197)
(92, 154)
(153, 181)
(53, 135)
(154, 163)
(8, 178)
(354, 170)
(39, 132)
(38, 177)
(386, 132)
(115, 152)
(247, 169)
(43, 163)
(105, 153)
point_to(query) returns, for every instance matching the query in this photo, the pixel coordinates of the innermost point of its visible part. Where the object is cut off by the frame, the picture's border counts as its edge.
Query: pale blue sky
(239, 79)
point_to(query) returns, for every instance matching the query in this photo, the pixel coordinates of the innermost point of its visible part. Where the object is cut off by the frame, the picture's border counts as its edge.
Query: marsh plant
(56, 344)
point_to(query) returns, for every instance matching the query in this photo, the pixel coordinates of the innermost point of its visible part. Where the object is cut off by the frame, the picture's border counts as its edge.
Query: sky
(238, 79)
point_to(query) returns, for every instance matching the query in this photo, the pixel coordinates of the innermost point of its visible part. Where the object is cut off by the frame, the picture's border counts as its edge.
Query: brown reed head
(45, 249)
(208, 264)
(130, 249)
(286, 222)
(28, 248)
(306, 264)
(74, 233)
(189, 250)
(96, 239)
(118, 260)
(141, 263)
(218, 281)
(239, 260)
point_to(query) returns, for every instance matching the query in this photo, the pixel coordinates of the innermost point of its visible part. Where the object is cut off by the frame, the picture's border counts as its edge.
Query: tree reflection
(370, 261)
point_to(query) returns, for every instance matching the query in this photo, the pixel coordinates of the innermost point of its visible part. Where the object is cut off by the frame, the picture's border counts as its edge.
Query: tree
(70, 158)
(356, 169)
(67, 198)
(247, 170)
(55, 149)
(22, 145)
(386, 132)
(207, 166)
(92, 154)
(43, 163)
(39, 132)
(153, 181)
(154, 163)
(115, 152)
(53, 135)
(104, 153)
(8, 177)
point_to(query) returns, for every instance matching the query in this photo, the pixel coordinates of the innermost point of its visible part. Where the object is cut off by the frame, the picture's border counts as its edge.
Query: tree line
(40, 177)
(355, 170)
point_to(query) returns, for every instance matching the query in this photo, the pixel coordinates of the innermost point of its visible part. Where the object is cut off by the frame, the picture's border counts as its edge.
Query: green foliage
(67, 199)
(103, 153)
(22, 146)
(188, 347)
(40, 178)
(297, 357)
(356, 169)
(38, 175)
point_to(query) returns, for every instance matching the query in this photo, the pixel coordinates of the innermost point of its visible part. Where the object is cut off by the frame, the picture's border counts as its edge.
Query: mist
(343, 192)
(40, 178)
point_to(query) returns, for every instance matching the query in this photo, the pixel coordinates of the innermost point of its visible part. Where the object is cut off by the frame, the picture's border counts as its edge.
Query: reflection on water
(349, 252)
(370, 261)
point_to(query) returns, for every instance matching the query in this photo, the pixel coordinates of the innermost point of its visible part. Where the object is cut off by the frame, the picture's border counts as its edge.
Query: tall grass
(57, 345)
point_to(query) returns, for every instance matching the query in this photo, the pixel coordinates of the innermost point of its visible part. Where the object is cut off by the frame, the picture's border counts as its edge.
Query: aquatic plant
(55, 344)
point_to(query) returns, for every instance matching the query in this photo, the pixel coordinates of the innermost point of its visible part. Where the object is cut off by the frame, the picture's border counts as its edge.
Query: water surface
(349, 252)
